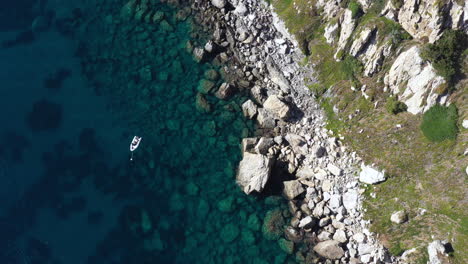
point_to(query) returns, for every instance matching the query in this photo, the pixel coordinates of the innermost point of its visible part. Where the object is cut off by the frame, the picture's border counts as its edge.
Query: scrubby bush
(394, 106)
(352, 67)
(440, 123)
(445, 53)
(397, 3)
(355, 8)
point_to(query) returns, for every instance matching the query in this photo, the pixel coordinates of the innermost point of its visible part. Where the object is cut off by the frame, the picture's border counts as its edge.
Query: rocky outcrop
(254, 171)
(428, 18)
(347, 27)
(414, 80)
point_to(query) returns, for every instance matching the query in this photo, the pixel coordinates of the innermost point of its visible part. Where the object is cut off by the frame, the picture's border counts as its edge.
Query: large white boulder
(254, 171)
(370, 175)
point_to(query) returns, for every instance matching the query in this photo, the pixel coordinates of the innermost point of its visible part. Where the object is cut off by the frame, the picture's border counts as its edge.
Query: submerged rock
(273, 223)
(254, 171)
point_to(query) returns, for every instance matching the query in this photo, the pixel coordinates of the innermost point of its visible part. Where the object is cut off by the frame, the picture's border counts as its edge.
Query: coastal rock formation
(428, 18)
(254, 171)
(414, 81)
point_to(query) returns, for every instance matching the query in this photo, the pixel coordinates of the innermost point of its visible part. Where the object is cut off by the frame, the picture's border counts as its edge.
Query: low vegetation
(440, 123)
(445, 53)
(394, 106)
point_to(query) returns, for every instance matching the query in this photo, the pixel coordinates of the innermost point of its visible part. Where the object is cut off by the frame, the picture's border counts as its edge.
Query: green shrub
(440, 123)
(394, 106)
(397, 3)
(351, 67)
(396, 249)
(355, 8)
(445, 53)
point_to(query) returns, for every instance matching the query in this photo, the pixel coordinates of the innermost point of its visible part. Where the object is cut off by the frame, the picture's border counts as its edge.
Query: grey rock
(263, 145)
(370, 175)
(324, 235)
(335, 201)
(320, 152)
(350, 199)
(277, 106)
(298, 143)
(329, 249)
(292, 189)
(307, 222)
(254, 171)
(340, 236)
(333, 169)
(434, 249)
(225, 91)
(249, 108)
(219, 3)
(399, 217)
(248, 144)
(265, 118)
(199, 54)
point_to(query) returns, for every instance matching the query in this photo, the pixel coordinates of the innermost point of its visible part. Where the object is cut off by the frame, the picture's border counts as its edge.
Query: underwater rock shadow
(12, 146)
(45, 115)
(55, 80)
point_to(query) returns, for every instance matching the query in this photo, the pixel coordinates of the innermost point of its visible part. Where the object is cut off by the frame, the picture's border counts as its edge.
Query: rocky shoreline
(322, 182)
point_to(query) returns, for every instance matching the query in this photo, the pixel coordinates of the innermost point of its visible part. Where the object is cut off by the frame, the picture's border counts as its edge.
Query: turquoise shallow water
(177, 201)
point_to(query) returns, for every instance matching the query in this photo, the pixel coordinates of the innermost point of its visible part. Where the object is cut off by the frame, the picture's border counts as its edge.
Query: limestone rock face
(276, 106)
(359, 44)
(254, 171)
(329, 249)
(331, 32)
(265, 119)
(414, 80)
(428, 18)
(330, 8)
(370, 176)
(347, 26)
(292, 189)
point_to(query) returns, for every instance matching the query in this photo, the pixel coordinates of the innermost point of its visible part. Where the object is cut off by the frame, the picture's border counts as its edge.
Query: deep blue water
(74, 92)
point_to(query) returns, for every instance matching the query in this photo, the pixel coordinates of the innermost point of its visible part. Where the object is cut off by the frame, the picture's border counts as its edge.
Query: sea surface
(79, 79)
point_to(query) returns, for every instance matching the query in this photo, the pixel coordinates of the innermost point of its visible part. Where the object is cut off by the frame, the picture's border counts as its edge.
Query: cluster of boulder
(318, 174)
(321, 178)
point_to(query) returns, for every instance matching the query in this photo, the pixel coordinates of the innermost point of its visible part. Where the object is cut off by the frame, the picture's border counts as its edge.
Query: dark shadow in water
(23, 38)
(45, 115)
(55, 80)
(12, 146)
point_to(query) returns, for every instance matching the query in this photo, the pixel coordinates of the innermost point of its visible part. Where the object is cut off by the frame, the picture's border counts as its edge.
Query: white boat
(134, 145)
